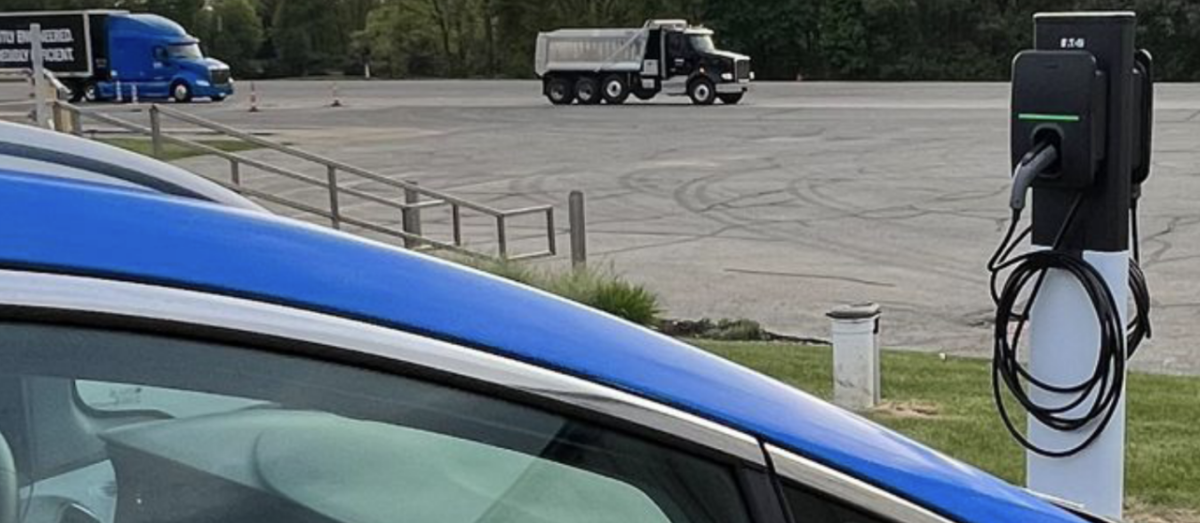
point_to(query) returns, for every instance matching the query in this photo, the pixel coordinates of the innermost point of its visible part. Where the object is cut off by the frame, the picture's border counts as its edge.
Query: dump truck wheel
(560, 91)
(616, 90)
(587, 90)
(730, 98)
(702, 91)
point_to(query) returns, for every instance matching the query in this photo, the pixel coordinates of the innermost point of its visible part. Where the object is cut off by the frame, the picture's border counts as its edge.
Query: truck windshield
(184, 51)
(702, 43)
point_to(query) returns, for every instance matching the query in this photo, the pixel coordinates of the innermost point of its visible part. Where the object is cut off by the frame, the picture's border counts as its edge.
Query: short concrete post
(856, 356)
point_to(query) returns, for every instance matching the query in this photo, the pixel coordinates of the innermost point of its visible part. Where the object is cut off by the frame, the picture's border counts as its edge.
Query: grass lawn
(174, 151)
(948, 405)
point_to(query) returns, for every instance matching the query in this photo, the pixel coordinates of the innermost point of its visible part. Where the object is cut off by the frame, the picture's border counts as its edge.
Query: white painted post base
(856, 356)
(1063, 346)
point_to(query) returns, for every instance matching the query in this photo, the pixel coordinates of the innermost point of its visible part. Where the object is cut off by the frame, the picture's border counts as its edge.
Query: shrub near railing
(601, 289)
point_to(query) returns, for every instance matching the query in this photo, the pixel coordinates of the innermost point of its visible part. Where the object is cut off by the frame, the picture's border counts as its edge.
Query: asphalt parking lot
(807, 196)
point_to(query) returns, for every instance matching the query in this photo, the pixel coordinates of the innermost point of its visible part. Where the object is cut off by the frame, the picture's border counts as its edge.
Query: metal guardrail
(68, 117)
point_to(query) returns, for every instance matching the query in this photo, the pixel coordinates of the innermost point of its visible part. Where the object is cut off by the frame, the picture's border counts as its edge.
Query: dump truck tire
(702, 91)
(560, 91)
(615, 88)
(587, 90)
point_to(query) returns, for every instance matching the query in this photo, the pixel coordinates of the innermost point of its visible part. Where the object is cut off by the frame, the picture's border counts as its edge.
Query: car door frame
(71, 300)
(100, 302)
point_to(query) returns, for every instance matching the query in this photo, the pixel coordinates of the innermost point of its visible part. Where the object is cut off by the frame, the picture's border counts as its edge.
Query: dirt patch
(909, 409)
(1138, 512)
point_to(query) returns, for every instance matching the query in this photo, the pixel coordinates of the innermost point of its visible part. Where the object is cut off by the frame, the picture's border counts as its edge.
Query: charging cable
(1100, 393)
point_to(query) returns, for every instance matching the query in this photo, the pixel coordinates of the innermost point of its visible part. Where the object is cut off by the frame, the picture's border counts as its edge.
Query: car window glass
(807, 506)
(159, 430)
(123, 397)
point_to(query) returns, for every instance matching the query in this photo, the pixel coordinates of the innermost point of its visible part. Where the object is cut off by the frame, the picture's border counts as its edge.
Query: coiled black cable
(1100, 392)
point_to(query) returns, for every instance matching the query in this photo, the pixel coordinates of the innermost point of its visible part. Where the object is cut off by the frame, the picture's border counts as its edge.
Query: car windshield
(703, 43)
(184, 51)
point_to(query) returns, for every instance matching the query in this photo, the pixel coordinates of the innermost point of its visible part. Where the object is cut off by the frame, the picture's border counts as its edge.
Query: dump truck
(607, 65)
(106, 54)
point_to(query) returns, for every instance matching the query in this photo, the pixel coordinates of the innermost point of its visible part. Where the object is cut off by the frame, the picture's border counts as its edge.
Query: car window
(808, 506)
(183, 430)
(115, 398)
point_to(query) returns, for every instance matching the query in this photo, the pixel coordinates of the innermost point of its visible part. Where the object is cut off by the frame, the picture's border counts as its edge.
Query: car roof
(69, 227)
(49, 153)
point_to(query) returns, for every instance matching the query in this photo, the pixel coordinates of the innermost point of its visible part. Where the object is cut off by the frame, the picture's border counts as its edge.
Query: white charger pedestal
(1064, 340)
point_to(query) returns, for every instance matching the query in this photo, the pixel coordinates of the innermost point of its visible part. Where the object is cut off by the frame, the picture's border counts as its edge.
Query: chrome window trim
(844, 487)
(85, 294)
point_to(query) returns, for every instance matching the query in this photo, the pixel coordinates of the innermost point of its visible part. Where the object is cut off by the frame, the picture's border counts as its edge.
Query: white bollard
(856, 356)
(134, 96)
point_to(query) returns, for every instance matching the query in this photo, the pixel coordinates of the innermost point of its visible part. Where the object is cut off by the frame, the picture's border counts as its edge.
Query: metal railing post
(60, 118)
(335, 217)
(501, 237)
(74, 120)
(235, 172)
(156, 131)
(39, 74)
(456, 224)
(575, 217)
(410, 217)
(551, 234)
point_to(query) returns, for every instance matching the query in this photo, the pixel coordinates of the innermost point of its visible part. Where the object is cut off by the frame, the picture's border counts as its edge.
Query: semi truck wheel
(730, 98)
(181, 93)
(76, 91)
(616, 90)
(560, 91)
(91, 93)
(644, 95)
(587, 90)
(702, 91)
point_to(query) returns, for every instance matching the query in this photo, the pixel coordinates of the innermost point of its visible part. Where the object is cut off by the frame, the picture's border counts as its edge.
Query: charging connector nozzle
(1036, 162)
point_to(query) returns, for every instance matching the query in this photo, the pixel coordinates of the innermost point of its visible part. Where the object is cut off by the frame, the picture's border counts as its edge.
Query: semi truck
(591, 66)
(112, 54)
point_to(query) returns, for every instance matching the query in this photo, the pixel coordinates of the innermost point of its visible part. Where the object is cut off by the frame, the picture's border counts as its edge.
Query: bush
(601, 289)
(606, 291)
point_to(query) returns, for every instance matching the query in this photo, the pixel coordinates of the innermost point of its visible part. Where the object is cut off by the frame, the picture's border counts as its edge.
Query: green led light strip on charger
(1048, 117)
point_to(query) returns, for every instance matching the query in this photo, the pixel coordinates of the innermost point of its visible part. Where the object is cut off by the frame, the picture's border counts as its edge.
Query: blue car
(170, 352)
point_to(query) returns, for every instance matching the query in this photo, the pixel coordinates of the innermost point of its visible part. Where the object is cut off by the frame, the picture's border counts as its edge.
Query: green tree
(401, 41)
(232, 31)
(183, 12)
(307, 37)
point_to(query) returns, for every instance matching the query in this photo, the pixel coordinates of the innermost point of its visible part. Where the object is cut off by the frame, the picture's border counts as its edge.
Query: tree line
(788, 39)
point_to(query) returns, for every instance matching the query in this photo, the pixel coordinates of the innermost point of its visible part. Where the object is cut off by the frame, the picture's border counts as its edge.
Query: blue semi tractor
(109, 54)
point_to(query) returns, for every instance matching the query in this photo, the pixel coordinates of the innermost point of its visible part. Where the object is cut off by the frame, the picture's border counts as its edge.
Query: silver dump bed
(591, 50)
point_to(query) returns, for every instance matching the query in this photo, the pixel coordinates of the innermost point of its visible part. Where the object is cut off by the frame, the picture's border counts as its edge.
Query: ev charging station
(1080, 138)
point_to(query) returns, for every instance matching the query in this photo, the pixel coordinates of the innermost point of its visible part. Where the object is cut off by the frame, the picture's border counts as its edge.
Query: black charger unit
(1058, 98)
